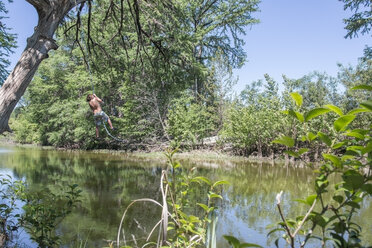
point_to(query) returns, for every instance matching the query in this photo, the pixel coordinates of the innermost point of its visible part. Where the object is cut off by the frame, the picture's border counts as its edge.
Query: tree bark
(50, 13)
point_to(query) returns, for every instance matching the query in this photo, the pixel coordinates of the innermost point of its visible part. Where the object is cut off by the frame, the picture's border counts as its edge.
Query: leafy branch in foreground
(43, 210)
(8, 209)
(177, 227)
(343, 180)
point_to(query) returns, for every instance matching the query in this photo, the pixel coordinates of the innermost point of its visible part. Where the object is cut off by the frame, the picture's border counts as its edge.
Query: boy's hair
(89, 97)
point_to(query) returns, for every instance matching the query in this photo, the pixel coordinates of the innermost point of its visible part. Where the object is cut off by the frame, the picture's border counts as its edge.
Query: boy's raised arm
(98, 99)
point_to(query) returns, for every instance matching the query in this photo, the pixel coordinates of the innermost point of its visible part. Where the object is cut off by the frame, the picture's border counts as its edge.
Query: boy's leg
(97, 132)
(109, 122)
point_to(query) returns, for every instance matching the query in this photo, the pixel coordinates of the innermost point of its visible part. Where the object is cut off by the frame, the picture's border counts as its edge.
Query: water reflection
(110, 182)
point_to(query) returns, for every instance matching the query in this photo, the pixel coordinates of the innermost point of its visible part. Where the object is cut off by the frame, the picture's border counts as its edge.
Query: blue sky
(295, 37)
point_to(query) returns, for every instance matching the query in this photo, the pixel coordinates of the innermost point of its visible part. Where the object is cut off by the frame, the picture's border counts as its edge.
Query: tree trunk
(51, 13)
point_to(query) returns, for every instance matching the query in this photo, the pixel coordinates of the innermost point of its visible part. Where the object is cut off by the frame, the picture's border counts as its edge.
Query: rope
(109, 134)
(87, 60)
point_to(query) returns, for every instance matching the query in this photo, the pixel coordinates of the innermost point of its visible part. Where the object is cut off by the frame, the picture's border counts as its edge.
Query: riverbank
(207, 157)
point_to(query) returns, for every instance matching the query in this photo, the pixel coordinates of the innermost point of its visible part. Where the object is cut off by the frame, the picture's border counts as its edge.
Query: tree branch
(39, 5)
(304, 219)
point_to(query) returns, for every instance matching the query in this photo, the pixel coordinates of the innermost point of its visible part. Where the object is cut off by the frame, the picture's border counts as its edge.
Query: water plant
(9, 210)
(42, 211)
(178, 226)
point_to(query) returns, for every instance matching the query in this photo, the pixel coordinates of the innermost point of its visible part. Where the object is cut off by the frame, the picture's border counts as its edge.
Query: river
(110, 182)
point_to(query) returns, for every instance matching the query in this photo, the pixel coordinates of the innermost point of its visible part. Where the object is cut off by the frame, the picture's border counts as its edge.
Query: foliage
(351, 77)
(43, 210)
(189, 121)
(7, 43)
(9, 225)
(137, 85)
(360, 21)
(235, 243)
(184, 221)
(190, 230)
(250, 125)
(55, 112)
(349, 158)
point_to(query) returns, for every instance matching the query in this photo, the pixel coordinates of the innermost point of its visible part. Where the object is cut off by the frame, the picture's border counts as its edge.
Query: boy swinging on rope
(98, 114)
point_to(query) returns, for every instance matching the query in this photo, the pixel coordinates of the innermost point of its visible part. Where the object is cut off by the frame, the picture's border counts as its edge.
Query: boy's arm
(98, 99)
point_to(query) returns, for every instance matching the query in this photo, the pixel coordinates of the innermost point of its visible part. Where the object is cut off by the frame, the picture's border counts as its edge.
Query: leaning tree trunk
(51, 13)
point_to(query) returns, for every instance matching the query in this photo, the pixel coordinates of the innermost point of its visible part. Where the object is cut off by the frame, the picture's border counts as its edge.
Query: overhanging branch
(40, 5)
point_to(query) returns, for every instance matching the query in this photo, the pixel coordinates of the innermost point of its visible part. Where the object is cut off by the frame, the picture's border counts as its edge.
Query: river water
(110, 182)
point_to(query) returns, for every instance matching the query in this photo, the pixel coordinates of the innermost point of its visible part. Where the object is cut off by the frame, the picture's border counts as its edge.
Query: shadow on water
(110, 183)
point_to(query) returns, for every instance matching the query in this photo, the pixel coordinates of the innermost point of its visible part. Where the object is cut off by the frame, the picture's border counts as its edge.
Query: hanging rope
(87, 60)
(115, 138)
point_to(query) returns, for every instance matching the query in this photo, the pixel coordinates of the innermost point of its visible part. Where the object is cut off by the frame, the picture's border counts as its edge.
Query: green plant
(189, 121)
(235, 243)
(253, 122)
(9, 191)
(44, 210)
(343, 179)
(180, 189)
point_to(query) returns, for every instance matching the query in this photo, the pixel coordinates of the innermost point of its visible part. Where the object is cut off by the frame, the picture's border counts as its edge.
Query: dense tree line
(177, 89)
(139, 86)
(56, 112)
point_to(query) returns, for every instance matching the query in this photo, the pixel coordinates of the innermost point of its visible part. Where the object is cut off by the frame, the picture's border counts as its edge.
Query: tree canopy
(7, 43)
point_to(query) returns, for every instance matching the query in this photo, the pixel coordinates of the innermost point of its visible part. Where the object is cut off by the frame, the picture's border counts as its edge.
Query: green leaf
(335, 109)
(214, 195)
(367, 148)
(362, 87)
(232, 241)
(357, 150)
(311, 136)
(249, 245)
(342, 122)
(220, 183)
(291, 223)
(353, 180)
(325, 138)
(205, 207)
(297, 98)
(338, 145)
(176, 165)
(355, 135)
(302, 151)
(320, 220)
(334, 159)
(338, 198)
(329, 167)
(322, 184)
(358, 110)
(353, 205)
(347, 157)
(296, 115)
(301, 201)
(367, 105)
(285, 140)
(315, 112)
(204, 179)
(310, 199)
(367, 188)
(292, 153)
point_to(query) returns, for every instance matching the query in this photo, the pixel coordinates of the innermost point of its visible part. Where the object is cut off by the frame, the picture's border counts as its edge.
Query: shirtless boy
(98, 114)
